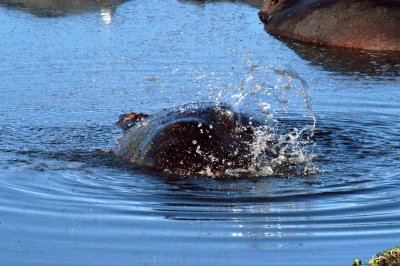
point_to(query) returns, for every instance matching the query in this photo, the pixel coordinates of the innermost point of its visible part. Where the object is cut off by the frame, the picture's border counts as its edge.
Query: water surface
(65, 200)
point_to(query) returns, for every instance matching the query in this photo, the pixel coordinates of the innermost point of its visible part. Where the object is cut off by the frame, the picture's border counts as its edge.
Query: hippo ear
(268, 4)
(127, 121)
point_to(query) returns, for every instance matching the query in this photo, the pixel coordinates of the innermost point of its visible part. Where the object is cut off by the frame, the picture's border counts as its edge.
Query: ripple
(66, 200)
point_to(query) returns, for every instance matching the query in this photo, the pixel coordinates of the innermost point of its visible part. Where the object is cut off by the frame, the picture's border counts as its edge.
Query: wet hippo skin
(187, 140)
(357, 24)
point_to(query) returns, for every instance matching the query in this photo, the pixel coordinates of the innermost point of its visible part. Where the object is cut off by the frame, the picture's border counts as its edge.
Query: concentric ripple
(66, 200)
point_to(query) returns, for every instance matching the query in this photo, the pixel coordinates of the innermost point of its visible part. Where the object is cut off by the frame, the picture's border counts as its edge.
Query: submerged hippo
(188, 140)
(56, 8)
(358, 24)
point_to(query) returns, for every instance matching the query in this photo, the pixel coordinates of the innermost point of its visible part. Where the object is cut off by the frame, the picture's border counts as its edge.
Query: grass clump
(390, 257)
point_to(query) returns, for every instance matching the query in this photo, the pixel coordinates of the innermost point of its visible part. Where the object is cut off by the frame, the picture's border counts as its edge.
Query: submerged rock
(358, 24)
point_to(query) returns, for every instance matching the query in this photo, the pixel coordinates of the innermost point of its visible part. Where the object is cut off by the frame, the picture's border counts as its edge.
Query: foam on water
(278, 97)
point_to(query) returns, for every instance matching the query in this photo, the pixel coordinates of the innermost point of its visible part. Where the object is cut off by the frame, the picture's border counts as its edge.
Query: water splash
(282, 145)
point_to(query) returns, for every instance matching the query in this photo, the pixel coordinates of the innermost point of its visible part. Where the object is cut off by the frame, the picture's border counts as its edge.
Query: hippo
(57, 8)
(358, 24)
(194, 139)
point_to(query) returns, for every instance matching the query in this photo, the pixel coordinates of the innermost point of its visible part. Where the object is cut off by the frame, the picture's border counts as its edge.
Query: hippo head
(126, 121)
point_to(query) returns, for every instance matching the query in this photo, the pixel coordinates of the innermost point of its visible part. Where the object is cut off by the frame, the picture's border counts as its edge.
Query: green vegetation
(390, 257)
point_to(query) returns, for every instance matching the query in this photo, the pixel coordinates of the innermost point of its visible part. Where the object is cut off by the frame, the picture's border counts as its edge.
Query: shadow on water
(59, 8)
(42, 160)
(348, 62)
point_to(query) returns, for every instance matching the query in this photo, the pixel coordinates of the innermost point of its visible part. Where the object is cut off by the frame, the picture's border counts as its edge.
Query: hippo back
(189, 139)
(359, 24)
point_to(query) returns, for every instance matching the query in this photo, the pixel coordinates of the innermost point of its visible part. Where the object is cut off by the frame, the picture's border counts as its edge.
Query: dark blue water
(66, 200)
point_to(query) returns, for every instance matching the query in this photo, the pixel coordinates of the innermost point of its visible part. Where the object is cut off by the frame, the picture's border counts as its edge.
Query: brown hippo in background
(358, 24)
(56, 8)
(188, 140)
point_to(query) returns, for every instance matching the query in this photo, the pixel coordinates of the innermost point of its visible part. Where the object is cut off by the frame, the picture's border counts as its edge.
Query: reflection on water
(348, 61)
(58, 8)
(255, 3)
(106, 15)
